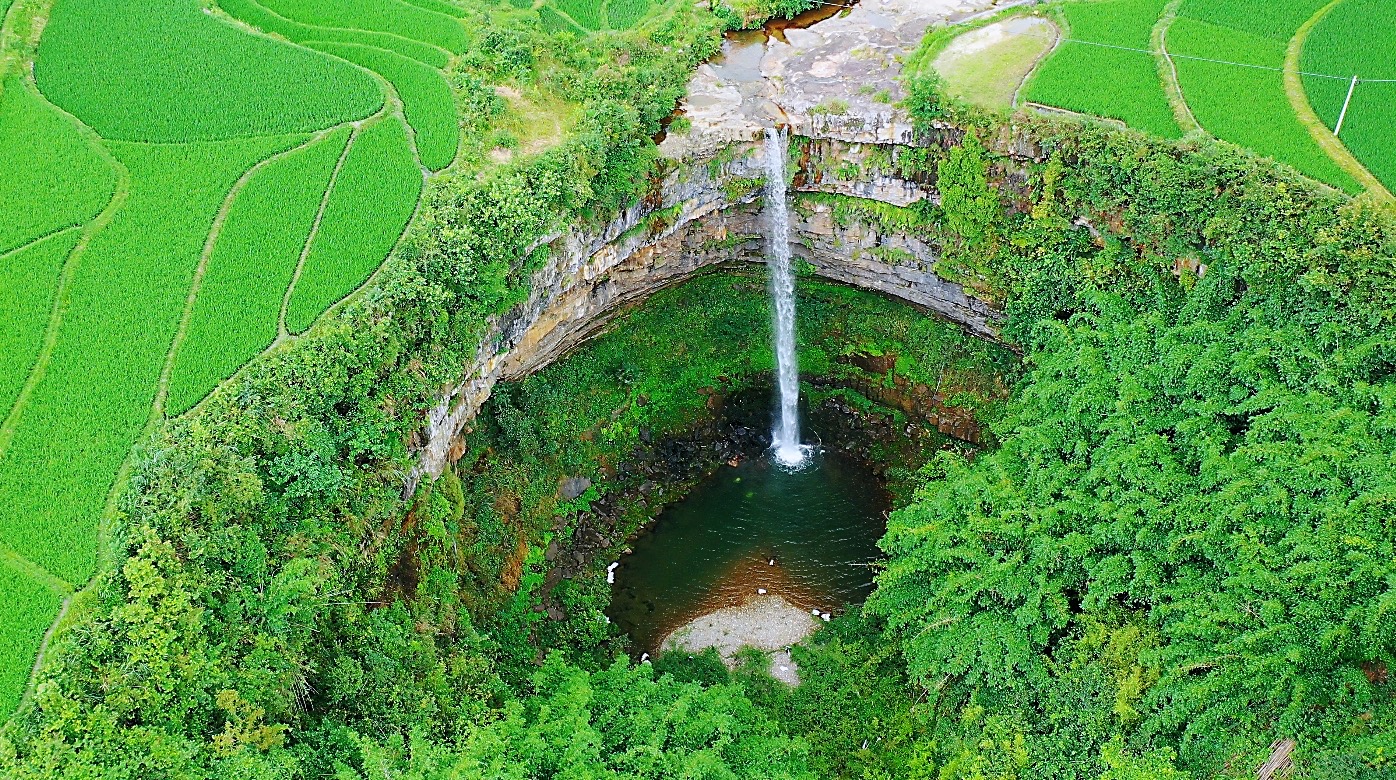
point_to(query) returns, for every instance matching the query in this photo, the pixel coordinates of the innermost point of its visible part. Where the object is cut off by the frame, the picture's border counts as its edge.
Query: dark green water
(714, 548)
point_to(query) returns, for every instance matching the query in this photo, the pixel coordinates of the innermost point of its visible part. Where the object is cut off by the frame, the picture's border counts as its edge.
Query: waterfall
(785, 438)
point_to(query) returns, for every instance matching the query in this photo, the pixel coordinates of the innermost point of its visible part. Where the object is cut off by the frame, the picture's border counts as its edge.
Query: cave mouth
(808, 536)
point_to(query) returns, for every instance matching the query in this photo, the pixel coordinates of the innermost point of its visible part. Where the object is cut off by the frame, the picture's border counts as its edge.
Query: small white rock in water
(645, 658)
(611, 573)
(814, 612)
(761, 591)
(825, 617)
(773, 562)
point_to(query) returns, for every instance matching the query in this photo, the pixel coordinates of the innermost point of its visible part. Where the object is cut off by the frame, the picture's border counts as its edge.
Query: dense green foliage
(1198, 461)
(622, 721)
(1228, 100)
(64, 182)
(132, 70)
(1105, 81)
(427, 102)
(1178, 552)
(1354, 39)
(748, 14)
(254, 258)
(370, 200)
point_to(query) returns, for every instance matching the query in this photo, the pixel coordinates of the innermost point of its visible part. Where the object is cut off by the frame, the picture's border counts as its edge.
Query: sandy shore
(768, 623)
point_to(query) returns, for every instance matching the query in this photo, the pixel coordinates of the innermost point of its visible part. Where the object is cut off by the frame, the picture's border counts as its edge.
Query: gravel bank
(768, 623)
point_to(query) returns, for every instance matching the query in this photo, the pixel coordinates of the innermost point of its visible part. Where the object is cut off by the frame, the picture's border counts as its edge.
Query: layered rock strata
(705, 210)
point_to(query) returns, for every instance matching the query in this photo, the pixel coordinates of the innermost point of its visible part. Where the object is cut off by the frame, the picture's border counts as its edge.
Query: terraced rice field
(258, 16)
(1229, 58)
(426, 98)
(1114, 80)
(1357, 38)
(582, 16)
(237, 305)
(374, 194)
(191, 190)
(1248, 106)
(383, 16)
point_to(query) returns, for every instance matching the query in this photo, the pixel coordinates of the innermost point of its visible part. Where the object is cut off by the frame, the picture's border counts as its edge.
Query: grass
(587, 13)
(1247, 106)
(624, 14)
(68, 440)
(385, 16)
(162, 70)
(28, 281)
(257, 16)
(439, 6)
(238, 304)
(555, 22)
(1356, 38)
(990, 76)
(62, 182)
(426, 97)
(1103, 81)
(25, 614)
(167, 248)
(370, 203)
(1273, 19)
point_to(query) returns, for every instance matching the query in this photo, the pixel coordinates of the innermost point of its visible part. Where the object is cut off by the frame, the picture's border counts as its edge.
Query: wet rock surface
(836, 79)
(704, 207)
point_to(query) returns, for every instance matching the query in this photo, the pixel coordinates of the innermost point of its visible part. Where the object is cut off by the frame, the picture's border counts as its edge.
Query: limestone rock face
(706, 209)
(573, 487)
(837, 79)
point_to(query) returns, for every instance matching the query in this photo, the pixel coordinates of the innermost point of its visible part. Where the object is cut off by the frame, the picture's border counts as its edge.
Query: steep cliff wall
(703, 212)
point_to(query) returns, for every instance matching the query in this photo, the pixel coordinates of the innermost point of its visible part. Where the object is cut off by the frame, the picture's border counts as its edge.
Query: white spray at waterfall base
(785, 439)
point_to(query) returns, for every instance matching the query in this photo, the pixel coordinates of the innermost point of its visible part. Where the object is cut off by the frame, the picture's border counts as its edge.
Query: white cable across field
(1171, 54)
(1176, 55)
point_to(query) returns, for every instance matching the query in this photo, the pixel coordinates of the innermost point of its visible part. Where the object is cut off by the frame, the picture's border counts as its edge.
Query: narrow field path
(34, 571)
(55, 233)
(43, 648)
(157, 410)
(1057, 35)
(1322, 134)
(65, 279)
(281, 330)
(1168, 70)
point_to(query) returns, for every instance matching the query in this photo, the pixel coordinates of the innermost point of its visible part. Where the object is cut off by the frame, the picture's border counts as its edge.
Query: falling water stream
(801, 524)
(785, 438)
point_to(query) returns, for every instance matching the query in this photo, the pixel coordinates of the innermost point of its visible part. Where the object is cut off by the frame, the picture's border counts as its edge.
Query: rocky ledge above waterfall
(838, 79)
